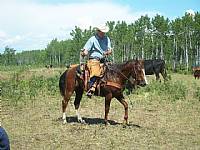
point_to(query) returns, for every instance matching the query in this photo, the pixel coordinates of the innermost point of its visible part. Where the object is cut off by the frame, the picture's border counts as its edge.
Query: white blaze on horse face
(145, 76)
(64, 118)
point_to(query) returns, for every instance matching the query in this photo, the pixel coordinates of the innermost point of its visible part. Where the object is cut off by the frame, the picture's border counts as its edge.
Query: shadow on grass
(96, 121)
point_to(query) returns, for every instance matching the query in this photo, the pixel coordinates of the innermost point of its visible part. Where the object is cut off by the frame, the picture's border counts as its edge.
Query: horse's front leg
(108, 98)
(79, 94)
(125, 104)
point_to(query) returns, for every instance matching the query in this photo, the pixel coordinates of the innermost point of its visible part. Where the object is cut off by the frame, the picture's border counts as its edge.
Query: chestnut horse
(114, 80)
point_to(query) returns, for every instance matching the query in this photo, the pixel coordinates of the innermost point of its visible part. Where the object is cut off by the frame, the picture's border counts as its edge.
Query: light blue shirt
(97, 46)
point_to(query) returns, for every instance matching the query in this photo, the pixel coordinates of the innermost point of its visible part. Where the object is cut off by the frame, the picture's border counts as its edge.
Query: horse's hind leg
(125, 104)
(64, 105)
(79, 94)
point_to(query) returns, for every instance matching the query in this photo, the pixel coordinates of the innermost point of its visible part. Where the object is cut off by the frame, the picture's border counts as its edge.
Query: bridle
(132, 70)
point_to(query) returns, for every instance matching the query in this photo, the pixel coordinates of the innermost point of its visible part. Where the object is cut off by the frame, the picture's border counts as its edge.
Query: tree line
(176, 41)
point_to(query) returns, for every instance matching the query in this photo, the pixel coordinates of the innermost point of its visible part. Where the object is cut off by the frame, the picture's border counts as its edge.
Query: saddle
(84, 72)
(88, 70)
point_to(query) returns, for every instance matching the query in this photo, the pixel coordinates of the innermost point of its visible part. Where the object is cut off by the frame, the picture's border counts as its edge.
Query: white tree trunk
(143, 48)
(113, 52)
(197, 56)
(186, 52)
(156, 50)
(190, 39)
(161, 52)
(59, 58)
(174, 60)
(152, 52)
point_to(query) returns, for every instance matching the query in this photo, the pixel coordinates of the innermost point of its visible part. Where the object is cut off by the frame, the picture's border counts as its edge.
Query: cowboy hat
(103, 28)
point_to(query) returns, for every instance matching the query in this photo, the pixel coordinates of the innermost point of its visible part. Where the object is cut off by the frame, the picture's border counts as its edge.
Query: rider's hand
(82, 54)
(108, 52)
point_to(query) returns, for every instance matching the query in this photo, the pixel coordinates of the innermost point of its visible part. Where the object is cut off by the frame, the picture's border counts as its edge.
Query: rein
(118, 71)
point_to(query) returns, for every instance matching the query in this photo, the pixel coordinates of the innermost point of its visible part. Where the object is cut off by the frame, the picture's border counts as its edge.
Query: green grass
(161, 116)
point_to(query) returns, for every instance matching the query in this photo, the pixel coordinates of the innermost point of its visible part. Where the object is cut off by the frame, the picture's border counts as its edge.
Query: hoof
(64, 121)
(107, 123)
(81, 121)
(125, 123)
(89, 94)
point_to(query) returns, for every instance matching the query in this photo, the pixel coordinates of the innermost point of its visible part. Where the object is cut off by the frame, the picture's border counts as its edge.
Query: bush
(168, 90)
(16, 90)
(52, 85)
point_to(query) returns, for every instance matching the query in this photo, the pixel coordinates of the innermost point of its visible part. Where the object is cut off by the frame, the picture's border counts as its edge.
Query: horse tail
(62, 83)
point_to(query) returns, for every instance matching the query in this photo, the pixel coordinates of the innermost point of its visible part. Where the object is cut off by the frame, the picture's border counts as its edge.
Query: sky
(32, 24)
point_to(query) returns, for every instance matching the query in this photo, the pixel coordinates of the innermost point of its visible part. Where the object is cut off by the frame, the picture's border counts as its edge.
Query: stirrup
(89, 93)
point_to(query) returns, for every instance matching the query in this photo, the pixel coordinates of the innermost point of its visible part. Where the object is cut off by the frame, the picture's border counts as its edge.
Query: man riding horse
(112, 86)
(97, 48)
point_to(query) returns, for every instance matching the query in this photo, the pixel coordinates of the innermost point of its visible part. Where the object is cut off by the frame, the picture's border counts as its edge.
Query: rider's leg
(92, 86)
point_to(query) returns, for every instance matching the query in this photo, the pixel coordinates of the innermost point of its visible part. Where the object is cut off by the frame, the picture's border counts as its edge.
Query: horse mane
(120, 65)
(112, 71)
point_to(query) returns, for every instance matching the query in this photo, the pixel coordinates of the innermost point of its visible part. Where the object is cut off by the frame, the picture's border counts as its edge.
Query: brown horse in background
(114, 80)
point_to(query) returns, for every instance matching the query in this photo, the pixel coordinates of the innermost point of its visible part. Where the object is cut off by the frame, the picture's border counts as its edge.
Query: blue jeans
(92, 81)
(4, 141)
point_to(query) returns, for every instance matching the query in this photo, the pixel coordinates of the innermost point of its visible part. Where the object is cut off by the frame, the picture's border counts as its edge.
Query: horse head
(138, 74)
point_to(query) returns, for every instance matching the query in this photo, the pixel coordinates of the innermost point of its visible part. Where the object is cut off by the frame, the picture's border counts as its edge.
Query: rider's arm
(87, 47)
(109, 50)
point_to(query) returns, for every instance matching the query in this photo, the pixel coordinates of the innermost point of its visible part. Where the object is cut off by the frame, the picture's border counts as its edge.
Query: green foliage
(197, 93)
(20, 90)
(169, 90)
(183, 71)
(13, 90)
(52, 85)
(9, 56)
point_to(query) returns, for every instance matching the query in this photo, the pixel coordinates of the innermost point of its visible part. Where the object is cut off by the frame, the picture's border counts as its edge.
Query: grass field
(161, 116)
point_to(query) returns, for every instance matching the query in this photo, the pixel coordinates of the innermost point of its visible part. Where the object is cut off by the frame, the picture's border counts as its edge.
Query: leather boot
(91, 91)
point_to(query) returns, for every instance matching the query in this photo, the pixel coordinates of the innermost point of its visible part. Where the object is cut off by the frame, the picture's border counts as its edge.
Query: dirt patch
(4, 76)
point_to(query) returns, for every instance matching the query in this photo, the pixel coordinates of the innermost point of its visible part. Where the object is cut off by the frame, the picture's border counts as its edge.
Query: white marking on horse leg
(64, 118)
(79, 117)
(145, 76)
